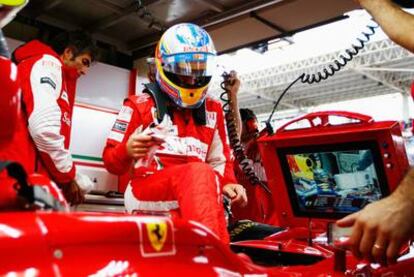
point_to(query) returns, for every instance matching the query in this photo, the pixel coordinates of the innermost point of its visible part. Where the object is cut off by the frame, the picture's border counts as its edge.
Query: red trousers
(193, 188)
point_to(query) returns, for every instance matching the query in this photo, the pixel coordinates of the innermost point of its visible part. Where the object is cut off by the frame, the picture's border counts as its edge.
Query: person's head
(9, 9)
(250, 126)
(76, 49)
(185, 63)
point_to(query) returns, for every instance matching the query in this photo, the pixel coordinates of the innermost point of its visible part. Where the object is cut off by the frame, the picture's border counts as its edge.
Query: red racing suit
(48, 89)
(188, 171)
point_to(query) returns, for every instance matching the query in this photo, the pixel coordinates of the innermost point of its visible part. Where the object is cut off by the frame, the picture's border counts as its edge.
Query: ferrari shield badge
(157, 238)
(157, 233)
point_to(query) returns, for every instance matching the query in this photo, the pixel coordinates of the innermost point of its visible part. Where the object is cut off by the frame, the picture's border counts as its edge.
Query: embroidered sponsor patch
(157, 238)
(116, 136)
(125, 114)
(52, 64)
(142, 98)
(66, 118)
(49, 81)
(211, 119)
(120, 126)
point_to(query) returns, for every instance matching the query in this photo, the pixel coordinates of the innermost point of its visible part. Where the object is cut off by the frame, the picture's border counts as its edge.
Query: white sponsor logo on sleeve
(125, 114)
(211, 119)
(116, 136)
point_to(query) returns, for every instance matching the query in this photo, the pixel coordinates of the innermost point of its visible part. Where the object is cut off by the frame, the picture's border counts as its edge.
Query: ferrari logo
(157, 237)
(157, 234)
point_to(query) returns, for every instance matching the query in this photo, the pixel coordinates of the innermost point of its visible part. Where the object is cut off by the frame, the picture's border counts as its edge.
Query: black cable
(268, 125)
(235, 142)
(327, 71)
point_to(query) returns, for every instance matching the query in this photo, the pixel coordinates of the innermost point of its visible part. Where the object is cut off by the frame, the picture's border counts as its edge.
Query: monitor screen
(333, 180)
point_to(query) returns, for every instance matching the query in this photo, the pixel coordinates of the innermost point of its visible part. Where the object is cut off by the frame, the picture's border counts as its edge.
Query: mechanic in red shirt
(190, 167)
(48, 77)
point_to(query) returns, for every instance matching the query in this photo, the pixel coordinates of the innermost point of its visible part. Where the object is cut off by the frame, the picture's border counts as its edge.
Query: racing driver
(174, 137)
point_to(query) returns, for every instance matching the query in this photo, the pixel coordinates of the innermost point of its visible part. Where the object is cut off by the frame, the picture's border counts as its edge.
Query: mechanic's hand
(381, 228)
(73, 193)
(233, 84)
(138, 145)
(237, 194)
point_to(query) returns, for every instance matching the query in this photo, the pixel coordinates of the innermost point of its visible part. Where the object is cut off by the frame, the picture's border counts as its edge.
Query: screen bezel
(348, 146)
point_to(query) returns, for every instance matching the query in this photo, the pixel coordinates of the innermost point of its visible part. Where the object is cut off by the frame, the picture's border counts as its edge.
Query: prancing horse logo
(157, 234)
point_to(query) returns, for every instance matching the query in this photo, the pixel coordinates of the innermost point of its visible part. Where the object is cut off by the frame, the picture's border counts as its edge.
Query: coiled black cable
(235, 142)
(328, 71)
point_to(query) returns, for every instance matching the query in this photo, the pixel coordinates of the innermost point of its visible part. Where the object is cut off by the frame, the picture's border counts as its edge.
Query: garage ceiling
(133, 27)
(128, 29)
(382, 67)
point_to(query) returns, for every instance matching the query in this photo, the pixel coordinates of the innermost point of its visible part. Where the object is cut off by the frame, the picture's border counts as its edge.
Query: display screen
(333, 180)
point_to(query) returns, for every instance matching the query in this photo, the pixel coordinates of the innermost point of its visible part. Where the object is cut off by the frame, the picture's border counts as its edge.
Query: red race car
(309, 182)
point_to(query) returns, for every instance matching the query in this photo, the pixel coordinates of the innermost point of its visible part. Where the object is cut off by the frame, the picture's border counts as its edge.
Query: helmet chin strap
(4, 49)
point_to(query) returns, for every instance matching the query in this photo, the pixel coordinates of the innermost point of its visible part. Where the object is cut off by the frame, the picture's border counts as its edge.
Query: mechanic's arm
(219, 157)
(381, 228)
(124, 145)
(233, 89)
(396, 23)
(45, 119)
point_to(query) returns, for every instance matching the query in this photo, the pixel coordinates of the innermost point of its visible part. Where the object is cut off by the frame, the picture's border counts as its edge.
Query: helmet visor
(189, 82)
(190, 64)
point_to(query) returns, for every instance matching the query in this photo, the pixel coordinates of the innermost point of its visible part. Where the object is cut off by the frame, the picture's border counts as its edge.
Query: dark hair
(79, 41)
(246, 114)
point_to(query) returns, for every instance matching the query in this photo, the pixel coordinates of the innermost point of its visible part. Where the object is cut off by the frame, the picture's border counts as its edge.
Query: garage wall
(105, 86)
(90, 128)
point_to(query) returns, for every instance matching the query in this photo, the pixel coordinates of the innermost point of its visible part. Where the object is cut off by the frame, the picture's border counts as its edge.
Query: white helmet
(185, 63)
